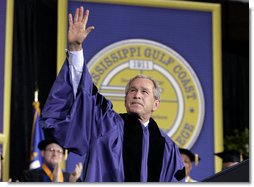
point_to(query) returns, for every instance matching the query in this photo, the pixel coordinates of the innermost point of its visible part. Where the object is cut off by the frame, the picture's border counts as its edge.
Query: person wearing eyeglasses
(50, 171)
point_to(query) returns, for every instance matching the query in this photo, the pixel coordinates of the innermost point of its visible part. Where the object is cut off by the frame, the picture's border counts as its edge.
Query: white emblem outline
(180, 99)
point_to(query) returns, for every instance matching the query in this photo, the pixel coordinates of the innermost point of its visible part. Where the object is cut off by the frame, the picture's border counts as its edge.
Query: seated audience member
(188, 157)
(50, 171)
(230, 158)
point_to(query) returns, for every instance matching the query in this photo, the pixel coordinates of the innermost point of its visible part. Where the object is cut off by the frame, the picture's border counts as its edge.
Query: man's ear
(156, 105)
(42, 153)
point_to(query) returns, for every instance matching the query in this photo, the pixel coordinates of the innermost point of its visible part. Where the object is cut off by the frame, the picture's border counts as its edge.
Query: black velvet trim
(180, 174)
(156, 152)
(132, 147)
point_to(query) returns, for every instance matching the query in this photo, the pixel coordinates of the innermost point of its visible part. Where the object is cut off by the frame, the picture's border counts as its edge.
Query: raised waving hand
(77, 29)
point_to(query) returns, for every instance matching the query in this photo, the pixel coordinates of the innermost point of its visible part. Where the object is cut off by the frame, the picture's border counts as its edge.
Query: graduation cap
(43, 144)
(231, 156)
(193, 157)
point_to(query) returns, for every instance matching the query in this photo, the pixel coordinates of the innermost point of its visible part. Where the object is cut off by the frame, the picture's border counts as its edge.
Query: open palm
(77, 27)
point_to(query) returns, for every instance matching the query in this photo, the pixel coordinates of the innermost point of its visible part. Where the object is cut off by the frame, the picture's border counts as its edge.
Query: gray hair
(156, 86)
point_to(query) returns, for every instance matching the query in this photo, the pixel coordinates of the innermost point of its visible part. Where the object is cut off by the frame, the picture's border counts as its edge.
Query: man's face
(52, 154)
(140, 98)
(187, 164)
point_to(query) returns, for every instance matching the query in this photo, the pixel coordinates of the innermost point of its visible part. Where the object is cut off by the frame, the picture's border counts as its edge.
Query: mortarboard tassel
(241, 156)
(66, 154)
(196, 159)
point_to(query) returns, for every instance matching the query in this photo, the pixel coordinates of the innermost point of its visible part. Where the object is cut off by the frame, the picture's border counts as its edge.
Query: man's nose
(137, 94)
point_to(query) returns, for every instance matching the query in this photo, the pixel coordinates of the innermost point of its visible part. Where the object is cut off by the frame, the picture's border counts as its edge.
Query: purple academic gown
(87, 125)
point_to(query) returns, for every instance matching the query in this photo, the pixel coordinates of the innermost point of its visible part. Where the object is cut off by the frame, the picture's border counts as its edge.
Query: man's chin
(134, 111)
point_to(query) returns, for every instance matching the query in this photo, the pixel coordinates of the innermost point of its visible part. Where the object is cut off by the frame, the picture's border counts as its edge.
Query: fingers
(78, 169)
(81, 11)
(76, 15)
(56, 172)
(70, 20)
(80, 166)
(76, 173)
(57, 166)
(79, 15)
(89, 29)
(85, 19)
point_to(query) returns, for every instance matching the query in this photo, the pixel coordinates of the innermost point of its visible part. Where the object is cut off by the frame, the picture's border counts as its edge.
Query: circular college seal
(181, 110)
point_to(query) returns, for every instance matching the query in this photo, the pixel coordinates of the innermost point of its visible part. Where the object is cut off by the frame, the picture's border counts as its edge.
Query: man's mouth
(136, 103)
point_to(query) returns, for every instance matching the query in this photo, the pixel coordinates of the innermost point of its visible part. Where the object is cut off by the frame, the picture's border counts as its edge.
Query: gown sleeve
(76, 121)
(173, 170)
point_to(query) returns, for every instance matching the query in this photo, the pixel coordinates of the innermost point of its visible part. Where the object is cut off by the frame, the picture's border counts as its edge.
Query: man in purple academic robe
(117, 147)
